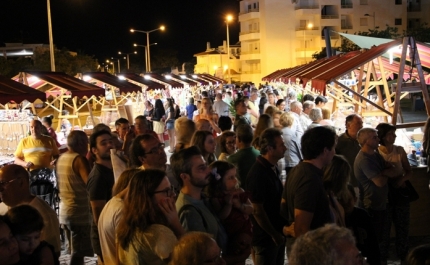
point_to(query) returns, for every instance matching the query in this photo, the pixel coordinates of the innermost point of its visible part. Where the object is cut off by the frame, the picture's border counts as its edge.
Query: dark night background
(101, 27)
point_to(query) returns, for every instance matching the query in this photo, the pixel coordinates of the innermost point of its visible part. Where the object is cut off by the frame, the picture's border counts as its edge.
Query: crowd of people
(251, 173)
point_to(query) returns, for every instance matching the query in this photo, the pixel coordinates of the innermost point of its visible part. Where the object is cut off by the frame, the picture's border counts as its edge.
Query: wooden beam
(400, 81)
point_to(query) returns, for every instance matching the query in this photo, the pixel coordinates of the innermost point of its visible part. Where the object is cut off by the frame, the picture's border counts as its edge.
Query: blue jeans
(269, 255)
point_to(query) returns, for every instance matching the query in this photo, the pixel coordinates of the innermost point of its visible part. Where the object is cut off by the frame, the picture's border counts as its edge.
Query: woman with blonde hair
(196, 248)
(206, 112)
(185, 129)
(293, 155)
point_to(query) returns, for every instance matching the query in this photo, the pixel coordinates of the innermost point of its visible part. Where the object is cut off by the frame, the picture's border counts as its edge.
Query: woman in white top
(398, 207)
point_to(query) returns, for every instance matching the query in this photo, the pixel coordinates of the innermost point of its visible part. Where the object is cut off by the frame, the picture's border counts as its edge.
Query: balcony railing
(346, 27)
(250, 52)
(249, 32)
(346, 6)
(329, 16)
(306, 28)
(249, 11)
(416, 8)
(307, 7)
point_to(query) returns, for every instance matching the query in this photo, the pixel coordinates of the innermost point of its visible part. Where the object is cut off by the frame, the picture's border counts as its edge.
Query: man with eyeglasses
(15, 190)
(193, 174)
(147, 152)
(100, 182)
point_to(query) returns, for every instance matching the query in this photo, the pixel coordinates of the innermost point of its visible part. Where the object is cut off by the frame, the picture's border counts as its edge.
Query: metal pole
(119, 68)
(128, 62)
(51, 38)
(148, 57)
(228, 56)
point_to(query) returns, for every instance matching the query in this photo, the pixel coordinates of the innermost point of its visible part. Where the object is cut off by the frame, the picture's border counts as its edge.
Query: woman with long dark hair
(170, 123)
(205, 141)
(158, 119)
(149, 227)
(149, 110)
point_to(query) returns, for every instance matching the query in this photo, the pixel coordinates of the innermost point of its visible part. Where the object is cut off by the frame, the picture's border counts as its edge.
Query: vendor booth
(16, 101)
(65, 95)
(119, 93)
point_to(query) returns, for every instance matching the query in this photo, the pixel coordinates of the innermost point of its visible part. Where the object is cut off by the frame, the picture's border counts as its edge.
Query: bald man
(15, 190)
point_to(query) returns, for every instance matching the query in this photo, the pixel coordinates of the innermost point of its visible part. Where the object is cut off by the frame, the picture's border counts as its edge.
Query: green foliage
(12, 67)
(163, 58)
(232, 109)
(347, 45)
(65, 61)
(421, 33)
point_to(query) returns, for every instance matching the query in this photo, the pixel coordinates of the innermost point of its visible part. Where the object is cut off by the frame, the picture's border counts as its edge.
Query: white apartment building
(278, 34)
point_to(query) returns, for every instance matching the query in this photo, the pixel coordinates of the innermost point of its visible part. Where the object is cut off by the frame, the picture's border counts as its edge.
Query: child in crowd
(233, 207)
(26, 225)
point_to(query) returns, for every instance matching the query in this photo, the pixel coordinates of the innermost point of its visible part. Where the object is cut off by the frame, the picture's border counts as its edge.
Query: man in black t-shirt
(265, 190)
(100, 182)
(304, 201)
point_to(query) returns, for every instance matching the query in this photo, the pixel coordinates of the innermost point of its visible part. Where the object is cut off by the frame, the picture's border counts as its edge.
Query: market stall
(350, 78)
(17, 102)
(119, 94)
(65, 95)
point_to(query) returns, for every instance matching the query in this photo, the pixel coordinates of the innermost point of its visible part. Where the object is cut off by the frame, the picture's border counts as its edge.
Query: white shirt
(221, 108)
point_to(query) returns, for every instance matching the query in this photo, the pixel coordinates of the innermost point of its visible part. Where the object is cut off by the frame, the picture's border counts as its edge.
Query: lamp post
(367, 15)
(51, 38)
(227, 20)
(147, 42)
(128, 59)
(113, 66)
(146, 53)
(308, 26)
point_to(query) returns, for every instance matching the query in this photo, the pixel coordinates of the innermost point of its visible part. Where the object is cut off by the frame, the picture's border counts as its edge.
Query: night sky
(101, 27)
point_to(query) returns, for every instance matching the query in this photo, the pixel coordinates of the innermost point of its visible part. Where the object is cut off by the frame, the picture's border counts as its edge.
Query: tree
(347, 45)
(421, 33)
(164, 58)
(65, 61)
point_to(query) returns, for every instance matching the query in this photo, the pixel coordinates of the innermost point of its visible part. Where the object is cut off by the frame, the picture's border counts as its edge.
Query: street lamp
(227, 20)
(113, 66)
(162, 28)
(51, 38)
(146, 53)
(367, 15)
(308, 26)
(128, 61)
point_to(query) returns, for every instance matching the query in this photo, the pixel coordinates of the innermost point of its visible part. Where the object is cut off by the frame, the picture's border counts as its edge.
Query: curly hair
(191, 249)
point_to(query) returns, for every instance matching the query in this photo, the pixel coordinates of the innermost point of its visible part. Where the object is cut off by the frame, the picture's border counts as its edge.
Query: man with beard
(100, 182)
(265, 189)
(193, 174)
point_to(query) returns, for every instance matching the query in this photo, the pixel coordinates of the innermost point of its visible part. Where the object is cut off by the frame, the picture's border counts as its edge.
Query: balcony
(253, 14)
(346, 6)
(307, 7)
(249, 11)
(305, 28)
(329, 16)
(332, 36)
(345, 27)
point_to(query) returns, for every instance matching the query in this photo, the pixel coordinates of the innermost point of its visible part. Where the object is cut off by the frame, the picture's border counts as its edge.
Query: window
(398, 2)
(255, 5)
(397, 21)
(364, 22)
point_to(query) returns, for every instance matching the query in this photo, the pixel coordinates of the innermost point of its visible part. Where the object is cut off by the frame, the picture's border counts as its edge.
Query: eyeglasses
(169, 191)
(156, 150)
(3, 184)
